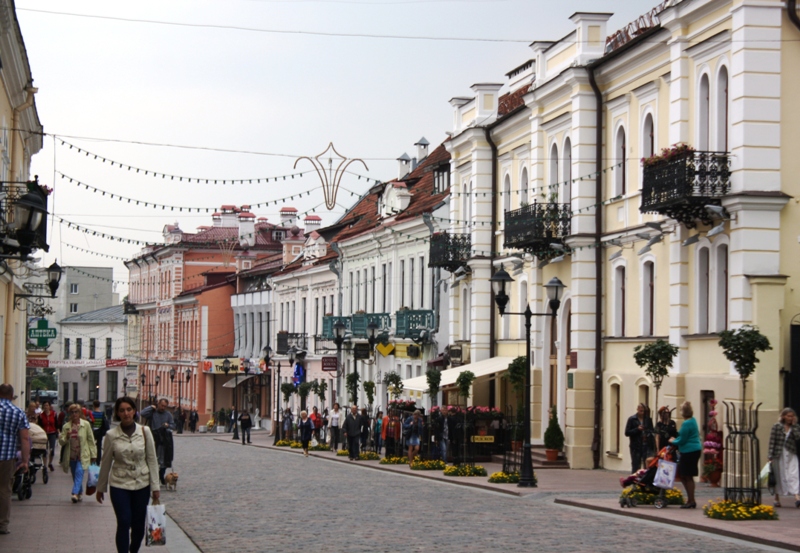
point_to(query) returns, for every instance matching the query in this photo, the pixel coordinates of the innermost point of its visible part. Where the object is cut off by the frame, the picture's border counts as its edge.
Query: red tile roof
(511, 101)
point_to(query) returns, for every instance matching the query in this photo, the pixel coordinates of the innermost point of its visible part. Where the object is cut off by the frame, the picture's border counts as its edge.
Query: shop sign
(42, 334)
(330, 364)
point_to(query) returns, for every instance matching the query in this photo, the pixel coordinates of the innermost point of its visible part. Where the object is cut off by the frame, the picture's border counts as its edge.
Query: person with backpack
(100, 427)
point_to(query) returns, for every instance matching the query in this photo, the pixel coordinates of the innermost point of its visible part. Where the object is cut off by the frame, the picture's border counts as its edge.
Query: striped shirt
(12, 420)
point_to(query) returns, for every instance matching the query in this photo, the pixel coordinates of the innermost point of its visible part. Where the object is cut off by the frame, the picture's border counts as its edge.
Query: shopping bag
(764, 474)
(91, 481)
(156, 530)
(314, 442)
(665, 475)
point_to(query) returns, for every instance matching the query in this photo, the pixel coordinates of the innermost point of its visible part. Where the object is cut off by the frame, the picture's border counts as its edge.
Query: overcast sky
(248, 102)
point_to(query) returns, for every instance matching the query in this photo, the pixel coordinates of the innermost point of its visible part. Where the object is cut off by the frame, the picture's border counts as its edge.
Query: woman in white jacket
(130, 468)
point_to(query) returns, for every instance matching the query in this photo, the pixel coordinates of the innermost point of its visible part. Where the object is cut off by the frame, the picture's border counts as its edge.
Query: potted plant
(287, 389)
(464, 384)
(394, 383)
(351, 383)
(740, 347)
(553, 437)
(516, 377)
(656, 357)
(303, 390)
(712, 471)
(369, 390)
(434, 377)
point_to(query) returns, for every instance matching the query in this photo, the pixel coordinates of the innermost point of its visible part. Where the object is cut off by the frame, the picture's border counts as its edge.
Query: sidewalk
(50, 521)
(596, 490)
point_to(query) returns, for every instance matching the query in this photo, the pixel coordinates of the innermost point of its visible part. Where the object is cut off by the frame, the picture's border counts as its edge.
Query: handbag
(156, 530)
(314, 442)
(91, 481)
(665, 475)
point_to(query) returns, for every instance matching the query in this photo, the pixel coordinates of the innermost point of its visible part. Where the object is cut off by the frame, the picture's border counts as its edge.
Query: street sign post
(42, 334)
(330, 364)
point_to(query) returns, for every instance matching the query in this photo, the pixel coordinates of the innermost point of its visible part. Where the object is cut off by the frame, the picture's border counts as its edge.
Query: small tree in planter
(740, 347)
(351, 383)
(319, 387)
(656, 358)
(394, 384)
(516, 377)
(553, 437)
(369, 390)
(434, 377)
(464, 384)
(303, 390)
(287, 389)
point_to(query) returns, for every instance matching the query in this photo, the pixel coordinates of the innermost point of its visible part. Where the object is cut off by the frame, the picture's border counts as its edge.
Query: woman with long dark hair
(130, 469)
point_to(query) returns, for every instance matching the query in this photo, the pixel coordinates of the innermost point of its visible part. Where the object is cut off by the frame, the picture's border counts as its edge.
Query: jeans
(443, 448)
(77, 476)
(99, 441)
(130, 506)
(6, 483)
(334, 438)
(246, 431)
(51, 446)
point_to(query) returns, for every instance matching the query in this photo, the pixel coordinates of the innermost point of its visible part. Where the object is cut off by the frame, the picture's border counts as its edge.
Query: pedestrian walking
(99, 428)
(412, 429)
(352, 432)
(363, 424)
(13, 437)
(784, 439)
(391, 432)
(49, 423)
(337, 419)
(377, 432)
(181, 420)
(689, 446)
(129, 470)
(444, 437)
(193, 419)
(639, 430)
(232, 419)
(78, 449)
(246, 423)
(161, 425)
(305, 428)
(288, 423)
(316, 418)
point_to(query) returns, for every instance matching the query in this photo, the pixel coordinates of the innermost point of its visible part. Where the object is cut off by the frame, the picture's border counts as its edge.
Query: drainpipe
(792, 8)
(598, 276)
(492, 330)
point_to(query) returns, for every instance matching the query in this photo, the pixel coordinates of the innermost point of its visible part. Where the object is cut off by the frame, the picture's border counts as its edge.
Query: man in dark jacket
(352, 431)
(639, 430)
(99, 427)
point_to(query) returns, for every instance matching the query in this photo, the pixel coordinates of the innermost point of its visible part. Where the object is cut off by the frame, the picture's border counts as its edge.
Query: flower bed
(474, 412)
(733, 510)
(419, 464)
(286, 443)
(465, 470)
(296, 445)
(319, 447)
(342, 453)
(368, 456)
(506, 478)
(674, 496)
(394, 461)
(403, 404)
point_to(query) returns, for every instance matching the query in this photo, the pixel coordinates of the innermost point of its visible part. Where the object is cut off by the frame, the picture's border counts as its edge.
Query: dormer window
(278, 235)
(441, 180)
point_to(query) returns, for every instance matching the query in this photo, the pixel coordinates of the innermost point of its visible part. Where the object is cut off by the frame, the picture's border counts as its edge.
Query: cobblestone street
(250, 499)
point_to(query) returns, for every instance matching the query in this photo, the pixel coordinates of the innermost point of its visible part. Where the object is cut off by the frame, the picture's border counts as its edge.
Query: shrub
(465, 470)
(394, 461)
(674, 496)
(436, 464)
(733, 510)
(506, 478)
(553, 436)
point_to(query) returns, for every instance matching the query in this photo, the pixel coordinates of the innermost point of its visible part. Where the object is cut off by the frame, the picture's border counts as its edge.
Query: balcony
(535, 226)
(323, 345)
(288, 339)
(682, 186)
(410, 323)
(328, 322)
(361, 320)
(449, 251)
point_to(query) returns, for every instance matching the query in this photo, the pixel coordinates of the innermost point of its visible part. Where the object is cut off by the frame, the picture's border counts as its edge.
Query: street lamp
(554, 289)
(124, 386)
(158, 381)
(278, 405)
(339, 331)
(246, 368)
(372, 334)
(226, 366)
(141, 391)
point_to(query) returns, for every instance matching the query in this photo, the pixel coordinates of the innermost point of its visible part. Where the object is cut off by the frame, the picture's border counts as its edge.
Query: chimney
(216, 218)
(486, 102)
(288, 217)
(228, 215)
(591, 35)
(247, 229)
(422, 149)
(458, 116)
(312, 223)
(403, 165)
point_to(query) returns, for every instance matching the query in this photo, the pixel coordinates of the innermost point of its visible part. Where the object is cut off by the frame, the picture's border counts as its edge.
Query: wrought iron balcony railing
(361, 320)
(288, 339)
(330, 320)
(535, 226)
(681, 187)
(449, 251)
(411, 322)
(324, 345)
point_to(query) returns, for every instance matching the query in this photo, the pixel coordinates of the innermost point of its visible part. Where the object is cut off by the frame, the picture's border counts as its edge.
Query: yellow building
(548, 181)
(20, 139)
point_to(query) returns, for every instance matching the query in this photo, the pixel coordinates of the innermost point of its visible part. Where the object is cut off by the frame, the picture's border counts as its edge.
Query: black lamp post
(141, 391)
(554, 288)
(124, 387)
(154, 396)
(246, 368)
(226, 366)
(278, 405)
(339, 331)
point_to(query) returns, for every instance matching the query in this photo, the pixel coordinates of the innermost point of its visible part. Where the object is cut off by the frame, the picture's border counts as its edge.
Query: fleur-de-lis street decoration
(329, 177)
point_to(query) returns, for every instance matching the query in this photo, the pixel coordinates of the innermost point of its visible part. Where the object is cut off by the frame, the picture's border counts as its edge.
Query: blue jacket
(688, 439)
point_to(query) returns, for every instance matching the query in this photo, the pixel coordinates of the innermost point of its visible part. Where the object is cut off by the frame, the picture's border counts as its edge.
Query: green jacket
(86, 438)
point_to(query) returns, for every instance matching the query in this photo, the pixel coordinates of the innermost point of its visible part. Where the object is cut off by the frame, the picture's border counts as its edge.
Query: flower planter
(220, 430)
(516, 445)
(714, 478)
(552, 454)
(203, 429)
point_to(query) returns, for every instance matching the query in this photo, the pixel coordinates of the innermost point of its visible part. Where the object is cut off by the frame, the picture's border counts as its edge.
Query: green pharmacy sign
(42, 334)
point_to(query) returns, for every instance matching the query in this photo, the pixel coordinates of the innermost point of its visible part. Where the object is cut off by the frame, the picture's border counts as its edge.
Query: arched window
(616, 418)
(722, 110)
(721, 288)
(644, 396)
(648, 298)
(703, 114)
(648, 136)
(507, 194)
(566, 173)
(620, 170)
(619, 301)
(523, 303)
(551, 190)
(702, 290)
(523, 186)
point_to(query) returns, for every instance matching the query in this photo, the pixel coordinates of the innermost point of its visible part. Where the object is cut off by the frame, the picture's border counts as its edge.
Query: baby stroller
(643, 480)
(23, 481)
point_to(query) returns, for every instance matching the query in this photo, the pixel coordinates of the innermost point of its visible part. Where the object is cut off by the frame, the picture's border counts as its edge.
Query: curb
(698, 527)
(416, 474)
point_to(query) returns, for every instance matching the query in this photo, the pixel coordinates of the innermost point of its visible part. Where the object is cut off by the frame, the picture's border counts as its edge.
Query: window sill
(613, 454)
(634, 338)
(691, 337)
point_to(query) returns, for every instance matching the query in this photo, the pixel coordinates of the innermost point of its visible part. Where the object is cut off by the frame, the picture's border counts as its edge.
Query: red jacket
(48, 422)
(316, 419)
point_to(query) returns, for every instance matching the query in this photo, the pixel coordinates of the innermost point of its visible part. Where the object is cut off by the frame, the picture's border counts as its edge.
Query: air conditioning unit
(458, 353)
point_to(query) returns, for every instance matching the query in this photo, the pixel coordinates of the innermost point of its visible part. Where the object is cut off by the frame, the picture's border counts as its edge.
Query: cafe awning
(232, 382)
(479, 368)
